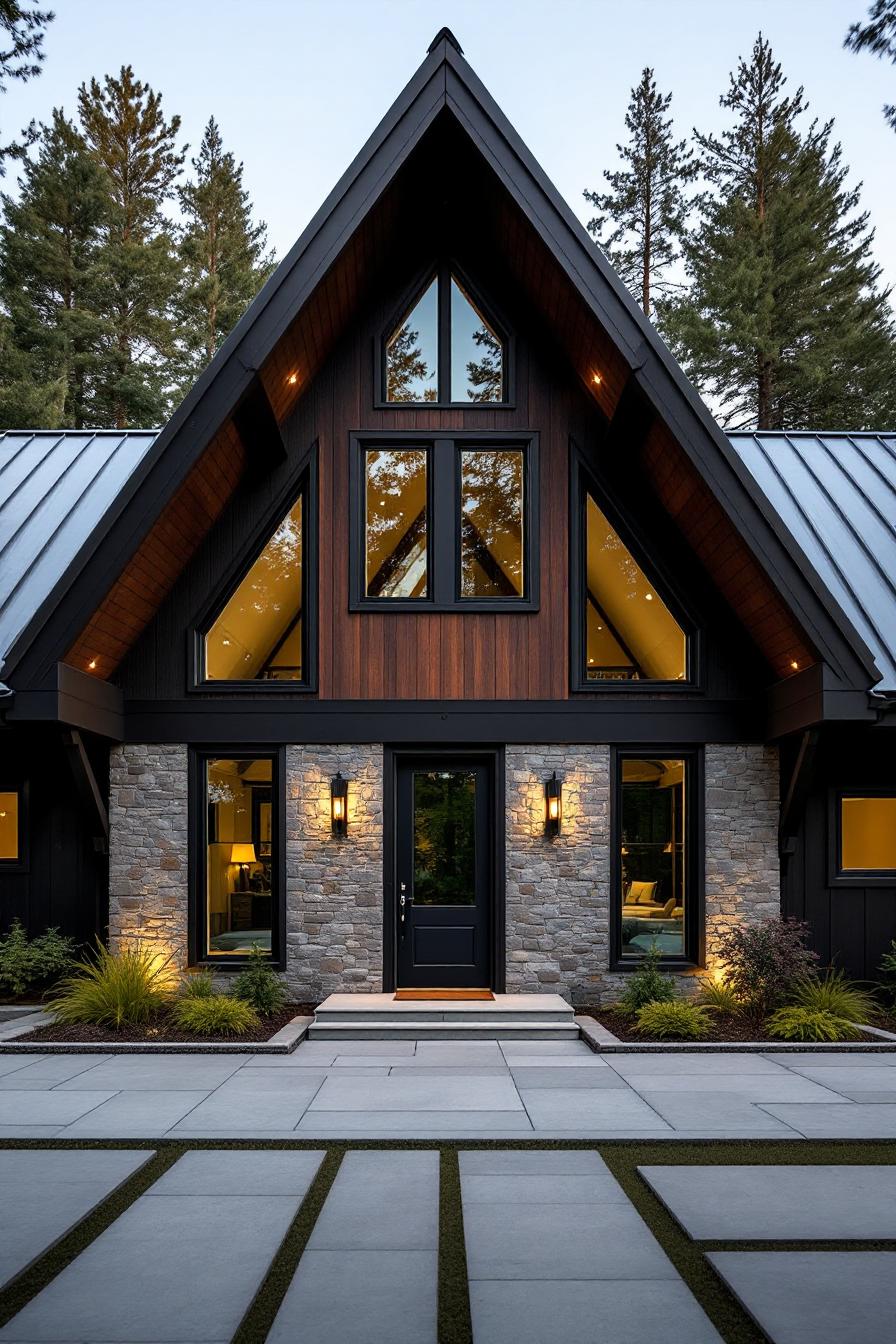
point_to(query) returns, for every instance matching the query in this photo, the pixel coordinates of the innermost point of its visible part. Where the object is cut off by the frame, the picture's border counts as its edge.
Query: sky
(298, 85)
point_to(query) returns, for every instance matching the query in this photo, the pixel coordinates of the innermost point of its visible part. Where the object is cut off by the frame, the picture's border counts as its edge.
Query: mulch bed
(161, 1030)
(723, 1026)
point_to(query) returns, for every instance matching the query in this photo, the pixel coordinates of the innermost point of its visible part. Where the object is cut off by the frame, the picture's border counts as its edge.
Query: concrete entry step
(382, 1017)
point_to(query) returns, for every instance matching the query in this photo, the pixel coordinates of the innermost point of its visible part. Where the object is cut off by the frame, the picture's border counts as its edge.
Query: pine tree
(22, 32)
(643, 215)
(135, 145)
(877, 35)
(221, 249)
(785, 325)
(49, 244)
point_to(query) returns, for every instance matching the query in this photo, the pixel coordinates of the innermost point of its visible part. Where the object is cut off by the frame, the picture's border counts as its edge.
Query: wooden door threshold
(452, 995)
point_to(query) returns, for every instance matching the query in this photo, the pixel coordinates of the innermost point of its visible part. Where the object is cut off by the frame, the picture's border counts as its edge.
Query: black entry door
(443, 874)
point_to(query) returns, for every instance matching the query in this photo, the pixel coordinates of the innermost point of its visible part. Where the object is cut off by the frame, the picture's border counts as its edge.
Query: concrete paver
(43, 1194)
(814, 1297)
(756, 1203)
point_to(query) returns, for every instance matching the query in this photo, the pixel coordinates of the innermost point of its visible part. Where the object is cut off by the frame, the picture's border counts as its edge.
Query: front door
(443, 873)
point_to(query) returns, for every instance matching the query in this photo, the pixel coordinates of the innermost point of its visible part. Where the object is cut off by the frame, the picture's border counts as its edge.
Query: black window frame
(442, 273)
(838, 876)
(694, 836)
(21, 863)
(443, 503)
(197, 935)
(585, 480)
(304, 485)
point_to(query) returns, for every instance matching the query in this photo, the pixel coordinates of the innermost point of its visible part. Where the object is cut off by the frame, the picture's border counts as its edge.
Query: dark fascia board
(660, 377)
(443, 80)
(443, 721)
(810, 698)
(76, 699)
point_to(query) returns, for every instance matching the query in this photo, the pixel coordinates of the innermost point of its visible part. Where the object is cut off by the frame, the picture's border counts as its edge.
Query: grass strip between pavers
(455, 1323)
(622, 1156)
(267, 1301)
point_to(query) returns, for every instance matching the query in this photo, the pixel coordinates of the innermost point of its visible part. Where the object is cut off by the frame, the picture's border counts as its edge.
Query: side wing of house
(441, 638)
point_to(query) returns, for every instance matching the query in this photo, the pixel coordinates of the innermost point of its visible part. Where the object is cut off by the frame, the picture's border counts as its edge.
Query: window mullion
(444, 521)
(444, 333)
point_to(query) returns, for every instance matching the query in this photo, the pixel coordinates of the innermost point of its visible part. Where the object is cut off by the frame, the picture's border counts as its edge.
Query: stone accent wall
(743, 880)
(557, 890)
(148, 896)
(334, 886)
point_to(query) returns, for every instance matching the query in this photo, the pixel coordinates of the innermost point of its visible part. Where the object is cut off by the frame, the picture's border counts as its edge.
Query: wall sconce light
(553, 805)
(339, 804)
(243, 855)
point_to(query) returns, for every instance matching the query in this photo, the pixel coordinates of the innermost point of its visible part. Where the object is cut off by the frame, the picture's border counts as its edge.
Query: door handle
(402, 902)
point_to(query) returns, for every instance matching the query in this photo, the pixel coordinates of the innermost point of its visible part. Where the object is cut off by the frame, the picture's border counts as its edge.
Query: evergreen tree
(49, 243)
(135, 145)
(643, 215)
(222, 251)
(785, 325)
(22, 31)
(877, 35)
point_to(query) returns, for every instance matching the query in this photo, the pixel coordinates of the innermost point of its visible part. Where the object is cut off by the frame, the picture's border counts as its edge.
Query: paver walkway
(555, 1250)
(449, 1089)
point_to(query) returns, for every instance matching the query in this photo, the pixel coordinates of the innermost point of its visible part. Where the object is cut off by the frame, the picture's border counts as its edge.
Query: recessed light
(92, 664)
(293, 379)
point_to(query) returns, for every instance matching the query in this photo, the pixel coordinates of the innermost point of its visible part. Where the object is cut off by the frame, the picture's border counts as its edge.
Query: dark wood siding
(64, 882)
(404, 656)
(852, 925)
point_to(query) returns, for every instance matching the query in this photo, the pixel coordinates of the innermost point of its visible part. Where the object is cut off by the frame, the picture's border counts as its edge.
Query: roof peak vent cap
(444, 35)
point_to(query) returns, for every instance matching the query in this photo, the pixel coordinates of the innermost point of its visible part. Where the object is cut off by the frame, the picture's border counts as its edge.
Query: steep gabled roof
(56, 488)
(443, 87)
(836, 496)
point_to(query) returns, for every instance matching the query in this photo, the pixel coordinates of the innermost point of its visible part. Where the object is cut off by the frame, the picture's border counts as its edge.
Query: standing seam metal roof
(56, 487)
(835, 493)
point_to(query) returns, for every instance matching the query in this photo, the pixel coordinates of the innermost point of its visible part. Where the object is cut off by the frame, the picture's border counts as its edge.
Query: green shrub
(764, 962)
(34, 961)
(833, 993)
(647, 985)
(797, 1023)
(113, 989)
(678, 1021)
(887, 968)
(259, 986)
(199, 984)
(718, 996)
(214, 1015)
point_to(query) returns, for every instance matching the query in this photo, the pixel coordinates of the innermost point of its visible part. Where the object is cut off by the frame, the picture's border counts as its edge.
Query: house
(442, 638)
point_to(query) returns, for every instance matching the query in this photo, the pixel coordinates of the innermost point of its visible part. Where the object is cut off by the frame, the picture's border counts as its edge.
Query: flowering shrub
(765, 962)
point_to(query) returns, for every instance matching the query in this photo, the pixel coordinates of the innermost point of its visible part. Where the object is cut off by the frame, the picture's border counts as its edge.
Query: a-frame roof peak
(444, 35)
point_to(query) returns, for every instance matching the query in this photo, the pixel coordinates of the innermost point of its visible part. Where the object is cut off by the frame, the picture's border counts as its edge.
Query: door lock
(402, 900)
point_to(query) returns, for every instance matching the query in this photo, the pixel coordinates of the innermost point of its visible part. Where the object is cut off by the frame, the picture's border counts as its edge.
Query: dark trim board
(258, 722)
(494, 755)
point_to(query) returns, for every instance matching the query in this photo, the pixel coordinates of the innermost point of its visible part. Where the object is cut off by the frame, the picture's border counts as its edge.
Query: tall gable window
(445, 349)
(625, 629)
(444, 522)
(259, 633)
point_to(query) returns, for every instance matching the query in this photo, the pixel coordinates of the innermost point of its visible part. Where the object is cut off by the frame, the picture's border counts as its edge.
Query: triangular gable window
(630, 634)
(259, 634)
(445, 349)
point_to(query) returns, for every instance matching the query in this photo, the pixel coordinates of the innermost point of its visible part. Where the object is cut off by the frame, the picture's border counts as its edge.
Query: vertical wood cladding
(383, 655)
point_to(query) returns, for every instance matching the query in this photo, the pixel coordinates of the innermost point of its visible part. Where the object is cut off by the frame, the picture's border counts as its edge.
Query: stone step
(417, 1029)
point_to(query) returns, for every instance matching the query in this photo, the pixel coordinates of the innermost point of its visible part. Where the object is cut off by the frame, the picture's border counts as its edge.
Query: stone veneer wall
(148, 893)
(558, 891)
(743, 875)
(334, 887)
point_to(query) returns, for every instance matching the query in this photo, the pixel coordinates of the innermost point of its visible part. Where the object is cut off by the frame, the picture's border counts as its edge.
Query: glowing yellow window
(868, 834)
(9, 826)
(630, 633)
(258, 635)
